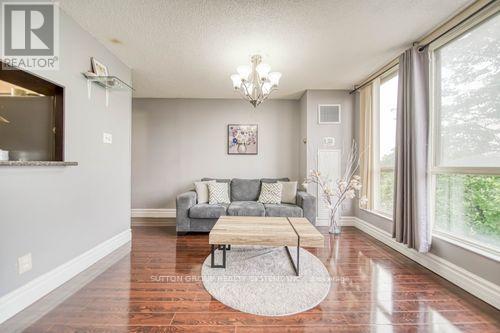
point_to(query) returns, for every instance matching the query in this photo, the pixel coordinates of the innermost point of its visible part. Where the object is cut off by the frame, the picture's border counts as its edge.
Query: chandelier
(255, 83)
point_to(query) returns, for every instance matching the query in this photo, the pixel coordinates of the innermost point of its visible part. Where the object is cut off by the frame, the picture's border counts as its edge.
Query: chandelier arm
(246, 92)
(261, 96)
(245, 97)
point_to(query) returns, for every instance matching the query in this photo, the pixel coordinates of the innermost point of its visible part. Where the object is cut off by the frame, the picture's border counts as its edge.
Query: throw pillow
(270, 193)
(202, 190)
(218, 193)
(289, 192)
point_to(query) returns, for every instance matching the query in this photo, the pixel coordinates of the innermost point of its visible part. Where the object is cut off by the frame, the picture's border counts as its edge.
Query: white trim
(378, 213)
(22, 297)
(345, 221)
(470, 245)
(154, 213)
(155, 222)
(476, 285)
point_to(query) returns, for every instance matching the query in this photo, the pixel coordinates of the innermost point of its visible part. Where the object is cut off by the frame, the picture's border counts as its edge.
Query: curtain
(411, 223)
(365, 142)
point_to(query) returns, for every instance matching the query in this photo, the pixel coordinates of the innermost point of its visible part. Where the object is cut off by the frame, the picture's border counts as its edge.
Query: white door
(329, 167)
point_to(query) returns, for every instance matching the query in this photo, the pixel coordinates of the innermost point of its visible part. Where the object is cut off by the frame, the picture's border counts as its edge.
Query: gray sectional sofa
(243, 193)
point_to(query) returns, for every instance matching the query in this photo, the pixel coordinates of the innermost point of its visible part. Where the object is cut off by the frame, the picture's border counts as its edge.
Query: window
(384, 142)
(465, 94)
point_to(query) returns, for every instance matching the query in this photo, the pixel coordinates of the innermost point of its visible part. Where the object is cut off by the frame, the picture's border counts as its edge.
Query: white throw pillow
(202, 191)
(270, 193)
(289, 192)
(218, 193)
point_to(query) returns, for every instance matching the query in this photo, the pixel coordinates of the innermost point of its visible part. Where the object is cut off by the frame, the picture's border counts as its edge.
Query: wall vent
(328, 114)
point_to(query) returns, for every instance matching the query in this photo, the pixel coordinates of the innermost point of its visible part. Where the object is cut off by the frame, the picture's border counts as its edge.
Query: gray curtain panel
(411, 223)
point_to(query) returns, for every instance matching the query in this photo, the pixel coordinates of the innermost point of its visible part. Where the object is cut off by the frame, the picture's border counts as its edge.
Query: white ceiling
(189, 48)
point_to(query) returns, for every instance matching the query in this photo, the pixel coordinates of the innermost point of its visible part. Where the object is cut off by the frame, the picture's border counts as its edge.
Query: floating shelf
(108, 82)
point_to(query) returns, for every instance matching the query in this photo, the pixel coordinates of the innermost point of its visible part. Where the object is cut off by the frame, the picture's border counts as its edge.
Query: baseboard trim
(19, 299)
(474, 284)
(154, 213)
(346, 221)
(153, 222)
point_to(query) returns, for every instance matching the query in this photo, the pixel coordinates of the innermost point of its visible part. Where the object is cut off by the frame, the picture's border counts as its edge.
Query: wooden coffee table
(268, 231)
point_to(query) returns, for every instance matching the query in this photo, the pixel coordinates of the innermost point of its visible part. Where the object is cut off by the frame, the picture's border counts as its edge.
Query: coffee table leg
(212, 256)
(295, 267)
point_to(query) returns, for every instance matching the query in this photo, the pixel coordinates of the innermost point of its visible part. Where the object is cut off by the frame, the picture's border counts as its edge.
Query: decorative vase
(335, 227)
(242, 148)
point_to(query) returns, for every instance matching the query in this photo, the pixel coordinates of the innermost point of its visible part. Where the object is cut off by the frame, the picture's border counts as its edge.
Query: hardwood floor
(156, 288)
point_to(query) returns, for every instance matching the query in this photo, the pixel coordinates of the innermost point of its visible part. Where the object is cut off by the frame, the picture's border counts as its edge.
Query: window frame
(375, 167)
(434, 139)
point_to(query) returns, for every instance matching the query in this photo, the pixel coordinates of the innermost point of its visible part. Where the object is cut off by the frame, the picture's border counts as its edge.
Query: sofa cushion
(218, 193)
(289, 192)
(206, 211)
(274, 180)
(220, 180)
(283, 210)
(245, 189)
(246, 208)
(270, 193)
(201, 189)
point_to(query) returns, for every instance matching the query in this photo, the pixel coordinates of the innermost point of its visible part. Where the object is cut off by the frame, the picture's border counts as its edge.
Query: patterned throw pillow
(270, 193)
(218, 193)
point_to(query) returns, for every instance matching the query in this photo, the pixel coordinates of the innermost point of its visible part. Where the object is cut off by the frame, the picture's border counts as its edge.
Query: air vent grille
(329, 113)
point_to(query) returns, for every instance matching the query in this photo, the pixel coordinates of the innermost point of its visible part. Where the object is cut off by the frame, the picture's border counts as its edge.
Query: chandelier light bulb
(244, 71)
(236, 78)
(263, 70)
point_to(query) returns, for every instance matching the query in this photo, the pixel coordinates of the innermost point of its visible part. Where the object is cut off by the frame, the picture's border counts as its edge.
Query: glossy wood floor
(156, 288)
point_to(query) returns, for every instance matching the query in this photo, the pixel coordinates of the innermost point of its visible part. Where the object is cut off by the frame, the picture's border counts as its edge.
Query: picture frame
(98, 67)
(242, 139)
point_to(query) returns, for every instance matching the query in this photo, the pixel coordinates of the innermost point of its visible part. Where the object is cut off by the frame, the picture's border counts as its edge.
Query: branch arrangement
(347, 187)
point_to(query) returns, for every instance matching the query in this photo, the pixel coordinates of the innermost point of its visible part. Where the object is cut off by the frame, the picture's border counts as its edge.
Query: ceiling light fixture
(255, 83)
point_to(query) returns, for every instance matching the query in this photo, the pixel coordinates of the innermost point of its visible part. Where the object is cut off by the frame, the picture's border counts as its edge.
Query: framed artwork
(242, 139)
(98, 67)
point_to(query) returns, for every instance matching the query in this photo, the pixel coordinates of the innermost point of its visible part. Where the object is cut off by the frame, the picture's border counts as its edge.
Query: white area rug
(260, 280)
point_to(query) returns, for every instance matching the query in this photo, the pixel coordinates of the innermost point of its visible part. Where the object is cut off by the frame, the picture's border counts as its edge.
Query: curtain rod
(471, 10)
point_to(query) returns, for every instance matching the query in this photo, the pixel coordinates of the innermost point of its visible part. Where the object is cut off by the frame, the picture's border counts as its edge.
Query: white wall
(178, 141)
(57, 213)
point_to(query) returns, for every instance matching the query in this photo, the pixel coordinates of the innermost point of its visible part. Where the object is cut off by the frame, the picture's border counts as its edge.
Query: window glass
(386, 143)
(468, 98)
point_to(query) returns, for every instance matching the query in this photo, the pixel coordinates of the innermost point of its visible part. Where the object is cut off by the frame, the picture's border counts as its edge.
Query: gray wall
(315, 133)
(484, 267)
(58, 213)
(178, 141)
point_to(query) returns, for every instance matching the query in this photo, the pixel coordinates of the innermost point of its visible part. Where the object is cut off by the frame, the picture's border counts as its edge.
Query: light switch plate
(107, 138)
(24, 263)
